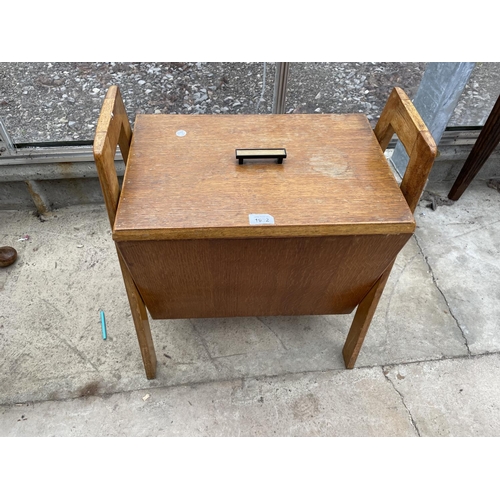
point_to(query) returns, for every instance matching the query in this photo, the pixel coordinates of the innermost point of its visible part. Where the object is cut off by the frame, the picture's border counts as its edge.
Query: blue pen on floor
(103, 325)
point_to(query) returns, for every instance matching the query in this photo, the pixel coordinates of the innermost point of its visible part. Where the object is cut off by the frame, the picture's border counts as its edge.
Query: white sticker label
(260, 219)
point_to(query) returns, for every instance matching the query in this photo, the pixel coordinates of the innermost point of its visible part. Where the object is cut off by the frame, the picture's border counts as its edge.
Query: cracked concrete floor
(429, 366)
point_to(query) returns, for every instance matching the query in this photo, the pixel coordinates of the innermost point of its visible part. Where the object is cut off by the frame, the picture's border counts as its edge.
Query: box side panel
(258, 277)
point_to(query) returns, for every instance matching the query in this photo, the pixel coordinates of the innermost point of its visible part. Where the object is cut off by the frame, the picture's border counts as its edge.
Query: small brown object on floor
(494, 184)
(436, 200)
(8, 256)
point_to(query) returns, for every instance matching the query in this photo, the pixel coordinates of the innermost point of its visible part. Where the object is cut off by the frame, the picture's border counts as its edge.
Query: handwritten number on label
(260, 219)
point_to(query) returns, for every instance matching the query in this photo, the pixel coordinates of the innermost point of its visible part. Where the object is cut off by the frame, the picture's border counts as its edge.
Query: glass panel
(479, 96)
(357, 87)
(61, 101)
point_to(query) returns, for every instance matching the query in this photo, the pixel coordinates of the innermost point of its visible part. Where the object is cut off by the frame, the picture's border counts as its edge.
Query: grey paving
(362, 403)
(453, 397)
(461, 244)
(436, 331)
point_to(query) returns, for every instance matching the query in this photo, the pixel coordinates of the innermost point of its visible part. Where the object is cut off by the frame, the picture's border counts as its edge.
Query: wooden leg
(141, 321)
(486, 142)
(362, 319)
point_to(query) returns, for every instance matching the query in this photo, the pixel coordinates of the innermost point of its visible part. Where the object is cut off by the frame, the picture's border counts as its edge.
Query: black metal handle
(254, 154)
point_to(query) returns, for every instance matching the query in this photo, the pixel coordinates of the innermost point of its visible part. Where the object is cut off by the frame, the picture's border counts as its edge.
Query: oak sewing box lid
(183, 180)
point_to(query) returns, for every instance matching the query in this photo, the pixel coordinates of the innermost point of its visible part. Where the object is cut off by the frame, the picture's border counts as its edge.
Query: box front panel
(258, 277)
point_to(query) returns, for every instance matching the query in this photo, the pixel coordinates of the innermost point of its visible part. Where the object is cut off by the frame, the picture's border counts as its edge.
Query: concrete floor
(429, 367)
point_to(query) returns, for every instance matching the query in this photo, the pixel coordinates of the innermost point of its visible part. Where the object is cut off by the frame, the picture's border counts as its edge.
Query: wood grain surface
(335, 179)
(113, 129)
(400, 116)
(258, 276)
